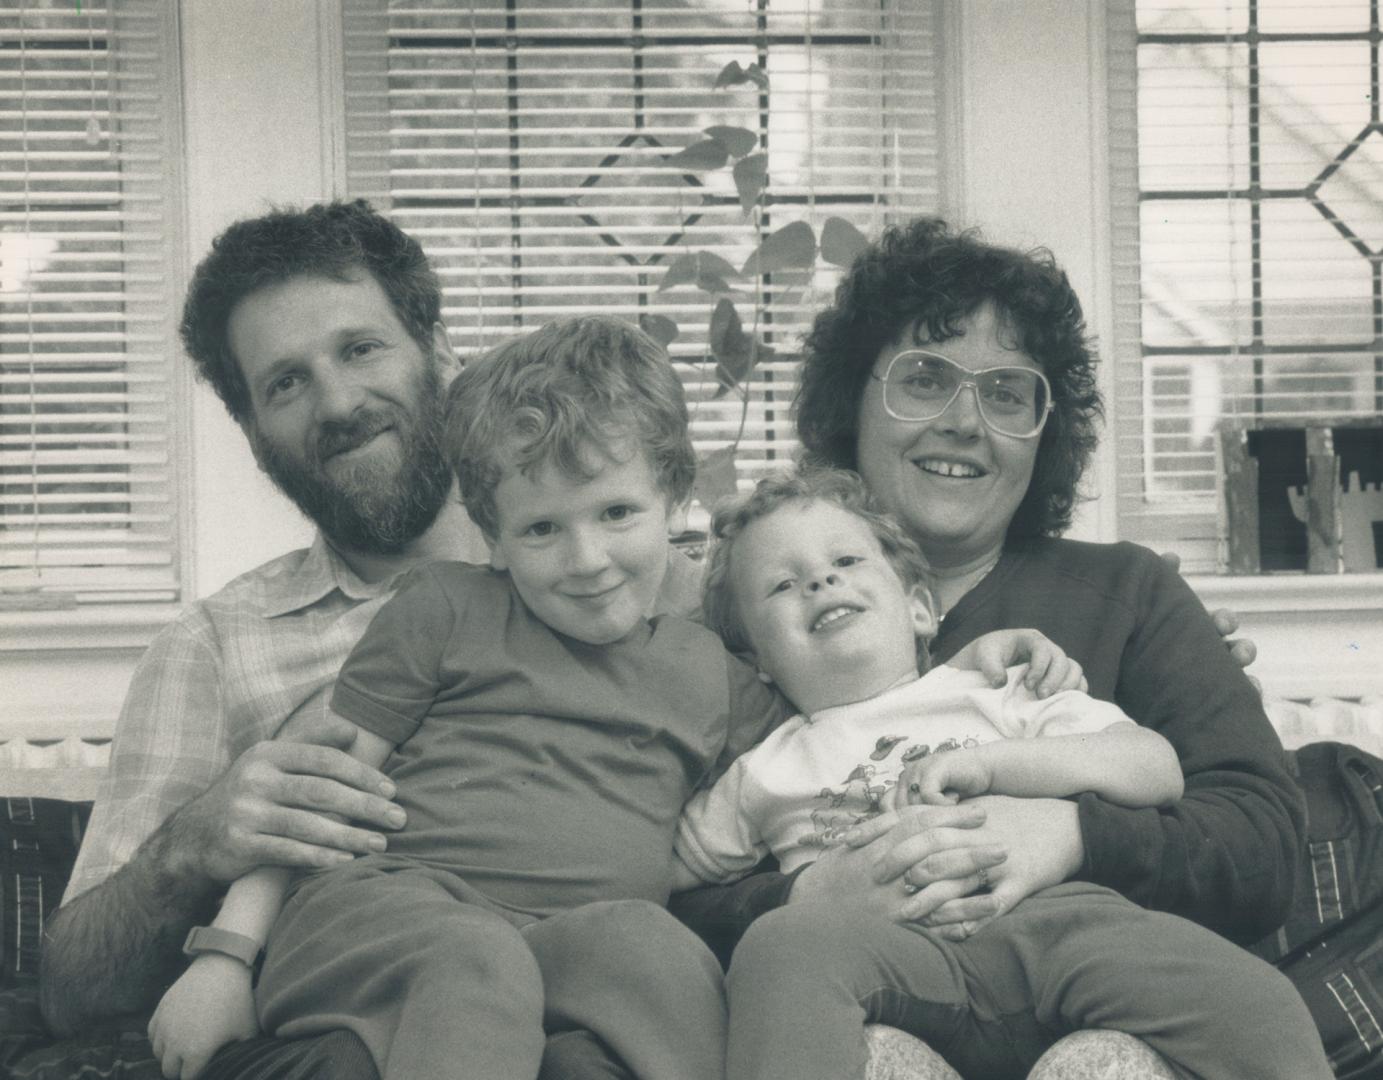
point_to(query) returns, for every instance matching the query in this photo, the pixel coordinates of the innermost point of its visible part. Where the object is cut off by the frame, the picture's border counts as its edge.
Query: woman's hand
(889, 863)
(1050, 670)
(211, 1004)
(1045, 848)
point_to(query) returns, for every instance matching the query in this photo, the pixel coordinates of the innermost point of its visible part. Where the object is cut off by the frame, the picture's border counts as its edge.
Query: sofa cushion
(38, 844)
(117, 1050)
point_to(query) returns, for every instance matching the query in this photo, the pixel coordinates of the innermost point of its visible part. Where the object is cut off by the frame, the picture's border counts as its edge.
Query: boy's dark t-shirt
(545, 771)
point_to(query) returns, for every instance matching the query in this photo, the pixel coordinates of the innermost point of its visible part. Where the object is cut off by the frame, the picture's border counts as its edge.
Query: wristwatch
(205, 939)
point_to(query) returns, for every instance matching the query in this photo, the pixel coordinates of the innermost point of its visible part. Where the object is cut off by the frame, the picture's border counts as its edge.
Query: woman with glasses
(957, 378)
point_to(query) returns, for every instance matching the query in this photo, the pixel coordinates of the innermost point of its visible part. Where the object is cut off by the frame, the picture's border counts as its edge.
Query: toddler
(828, 599)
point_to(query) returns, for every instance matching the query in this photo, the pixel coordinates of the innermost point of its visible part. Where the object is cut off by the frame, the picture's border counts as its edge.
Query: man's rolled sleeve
(170, 745)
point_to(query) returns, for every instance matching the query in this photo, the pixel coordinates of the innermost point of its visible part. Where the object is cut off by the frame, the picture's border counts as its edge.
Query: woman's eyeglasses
(921, 385)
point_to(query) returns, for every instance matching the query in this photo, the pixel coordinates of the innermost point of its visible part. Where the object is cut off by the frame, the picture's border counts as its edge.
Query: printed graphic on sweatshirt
(860, 795)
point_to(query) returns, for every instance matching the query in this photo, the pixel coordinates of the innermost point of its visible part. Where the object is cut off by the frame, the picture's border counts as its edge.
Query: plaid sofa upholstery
(38, 843)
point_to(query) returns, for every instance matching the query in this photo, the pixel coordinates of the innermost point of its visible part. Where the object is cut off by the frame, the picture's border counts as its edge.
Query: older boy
(543, 735)
(828, 597)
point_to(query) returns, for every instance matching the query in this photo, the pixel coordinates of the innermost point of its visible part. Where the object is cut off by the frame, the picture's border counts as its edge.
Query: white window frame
(65, 672)
(104, 563)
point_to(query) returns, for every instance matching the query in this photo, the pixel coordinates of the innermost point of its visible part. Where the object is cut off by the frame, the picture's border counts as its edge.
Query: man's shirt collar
(321, 572)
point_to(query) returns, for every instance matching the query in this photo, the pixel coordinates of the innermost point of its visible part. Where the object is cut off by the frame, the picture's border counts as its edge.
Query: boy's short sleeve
(392, 676)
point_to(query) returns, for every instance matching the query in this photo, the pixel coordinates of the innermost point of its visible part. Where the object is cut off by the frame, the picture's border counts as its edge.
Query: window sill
(1290, 592)
(1318, 635)
(89, 627)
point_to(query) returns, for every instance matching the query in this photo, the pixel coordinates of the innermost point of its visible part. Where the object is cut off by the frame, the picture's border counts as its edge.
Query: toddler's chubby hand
(1049, 672)
(943, 778)
(211, 1004)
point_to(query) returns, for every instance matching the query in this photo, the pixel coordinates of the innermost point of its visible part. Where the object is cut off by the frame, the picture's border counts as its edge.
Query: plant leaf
(712, 283)
(751, 177)
(715, 476)
(737, 141)
(704, 156)
(727, 332)
(730, 345)
(682, 271)
(793, 247)
(841, 242)
(660, 328)
(790, 285)
(734, 75)
(704, 269)
(729, 75)
(711, 263)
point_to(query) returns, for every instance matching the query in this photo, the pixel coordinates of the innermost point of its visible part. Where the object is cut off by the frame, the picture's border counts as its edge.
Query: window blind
(87, 297)
(526, 144)
(1248, 207)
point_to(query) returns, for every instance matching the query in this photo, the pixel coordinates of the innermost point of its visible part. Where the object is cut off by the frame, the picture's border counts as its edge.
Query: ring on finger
(983, 875)
(915, 788)
(909, 887)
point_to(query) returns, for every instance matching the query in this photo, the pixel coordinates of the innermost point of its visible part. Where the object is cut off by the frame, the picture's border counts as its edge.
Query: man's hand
(1243, 650)
(275, 806)
(210, 1005)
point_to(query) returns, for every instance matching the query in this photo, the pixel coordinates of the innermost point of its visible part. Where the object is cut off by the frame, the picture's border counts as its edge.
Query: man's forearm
(116, 948)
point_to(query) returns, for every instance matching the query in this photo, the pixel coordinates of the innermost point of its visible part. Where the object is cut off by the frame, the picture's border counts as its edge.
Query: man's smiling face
(827, 616)
(346, 408)
(953, 482)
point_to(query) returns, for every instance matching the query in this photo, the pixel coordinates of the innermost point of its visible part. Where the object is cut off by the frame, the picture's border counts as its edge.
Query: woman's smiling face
(953, 482)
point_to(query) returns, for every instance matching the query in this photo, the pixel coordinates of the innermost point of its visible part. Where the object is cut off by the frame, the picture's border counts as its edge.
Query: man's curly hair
(336, 240)
(924, 279)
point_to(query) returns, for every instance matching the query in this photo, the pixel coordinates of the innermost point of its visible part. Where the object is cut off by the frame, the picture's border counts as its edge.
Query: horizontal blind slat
(86, 327)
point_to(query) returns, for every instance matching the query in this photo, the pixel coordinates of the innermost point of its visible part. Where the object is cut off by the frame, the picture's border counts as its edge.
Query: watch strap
(205, 939)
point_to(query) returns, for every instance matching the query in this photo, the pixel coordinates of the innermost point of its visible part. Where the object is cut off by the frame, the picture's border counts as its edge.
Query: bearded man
(321, 332)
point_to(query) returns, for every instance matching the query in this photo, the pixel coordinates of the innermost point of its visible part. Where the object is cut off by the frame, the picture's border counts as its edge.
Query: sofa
(46, 789)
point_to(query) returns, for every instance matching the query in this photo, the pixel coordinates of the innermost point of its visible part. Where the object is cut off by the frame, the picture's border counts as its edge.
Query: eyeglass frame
(973, 385)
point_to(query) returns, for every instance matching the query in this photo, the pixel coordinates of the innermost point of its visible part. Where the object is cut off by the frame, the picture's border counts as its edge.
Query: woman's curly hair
(925, 279)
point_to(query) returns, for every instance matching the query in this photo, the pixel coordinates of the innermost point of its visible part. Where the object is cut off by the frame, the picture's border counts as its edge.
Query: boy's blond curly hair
(812, 483)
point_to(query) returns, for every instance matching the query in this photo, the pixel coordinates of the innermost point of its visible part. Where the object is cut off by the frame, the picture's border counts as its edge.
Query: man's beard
(369, 508)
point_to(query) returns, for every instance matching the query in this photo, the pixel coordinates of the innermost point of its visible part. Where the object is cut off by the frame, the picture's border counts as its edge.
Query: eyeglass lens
(922, 385)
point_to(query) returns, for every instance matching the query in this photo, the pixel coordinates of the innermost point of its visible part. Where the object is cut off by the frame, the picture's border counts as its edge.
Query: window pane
(87, 121)
(1258, 251)
(527, 146)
